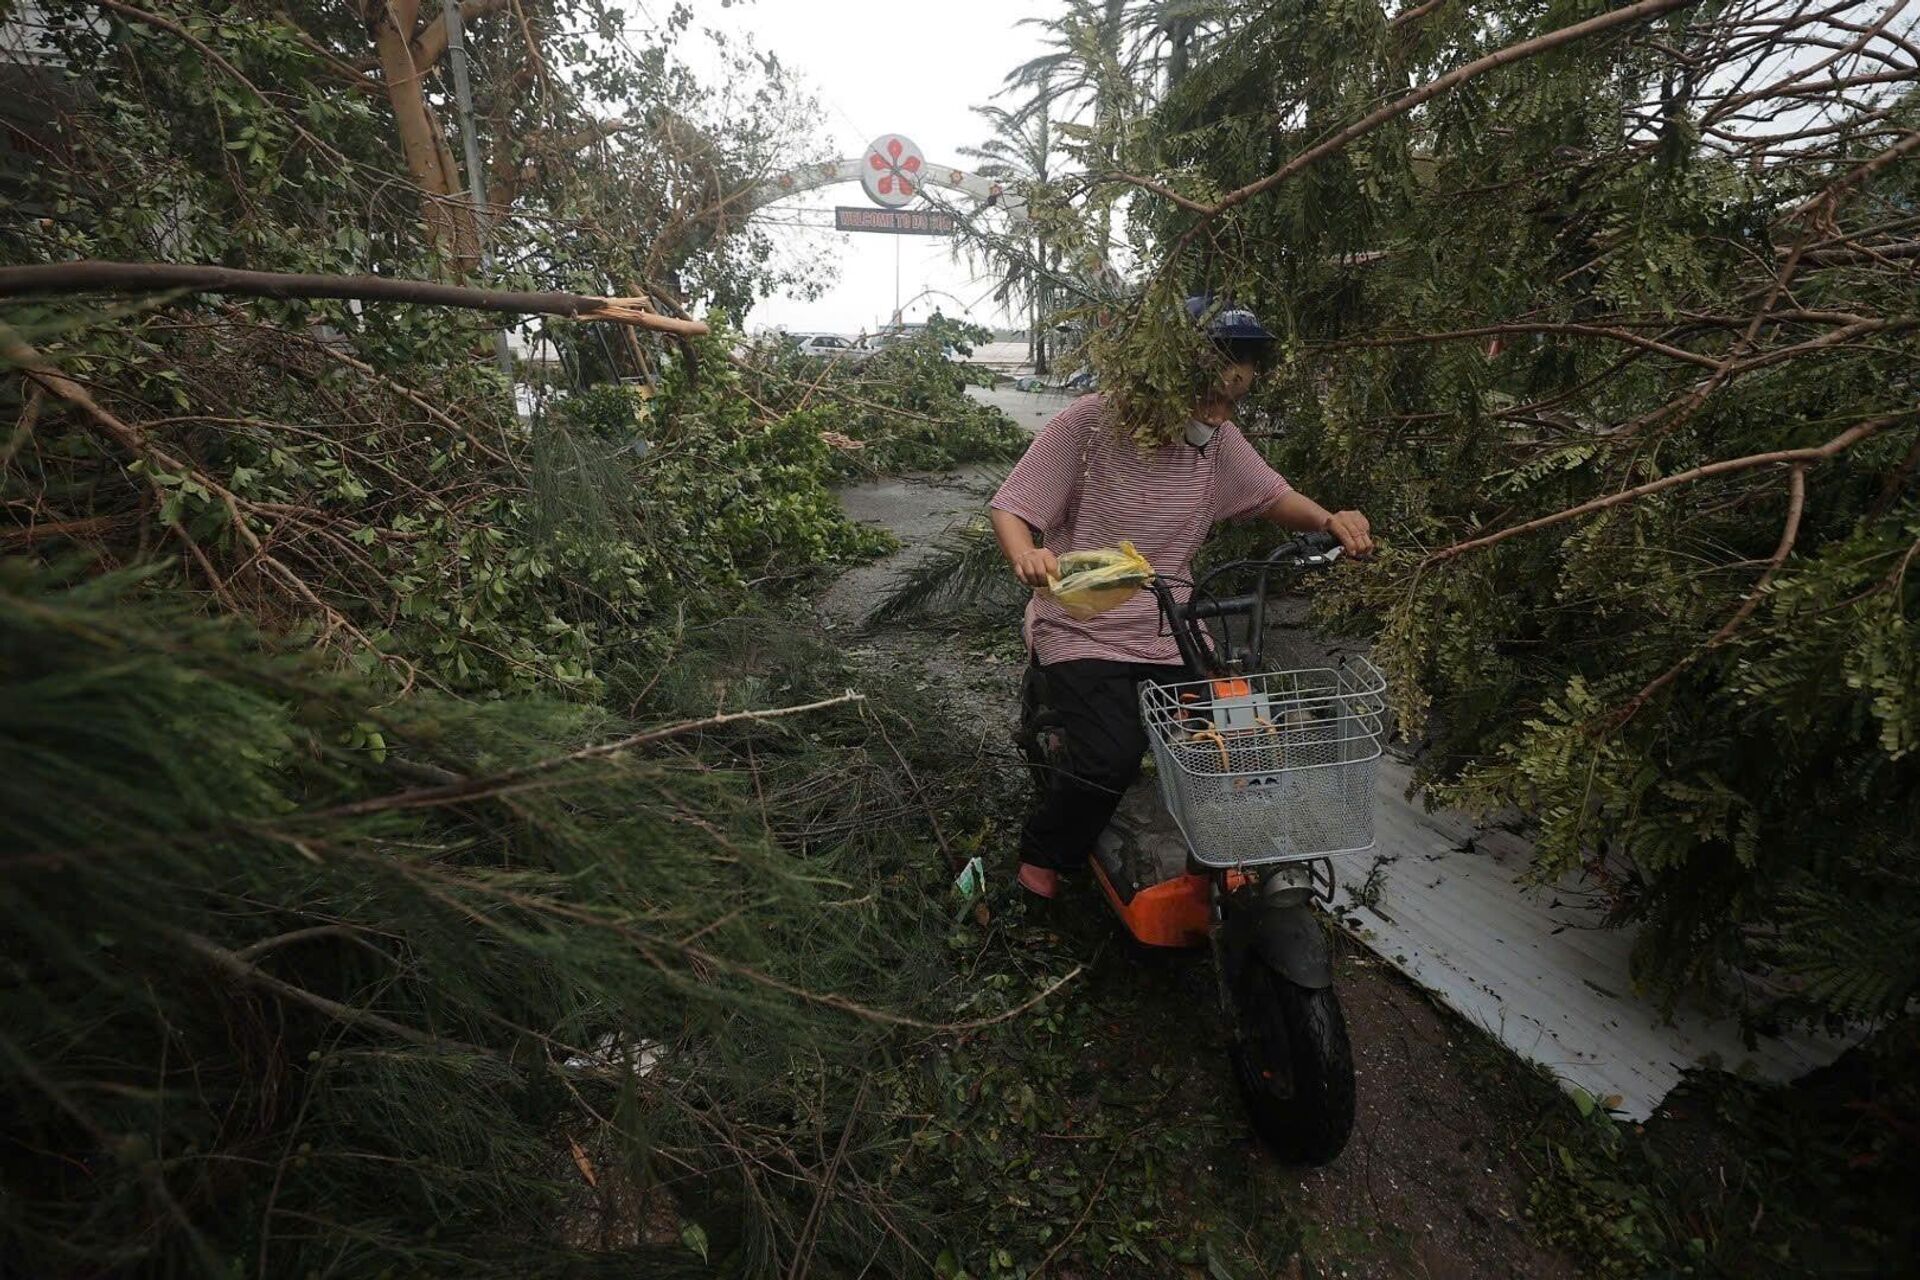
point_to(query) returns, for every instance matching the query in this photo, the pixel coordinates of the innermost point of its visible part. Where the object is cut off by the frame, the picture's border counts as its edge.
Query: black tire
(1293, 1032)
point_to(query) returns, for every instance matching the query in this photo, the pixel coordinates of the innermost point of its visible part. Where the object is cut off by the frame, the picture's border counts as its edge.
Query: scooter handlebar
(1302, 551)
(1232, 606)
(1309, 548)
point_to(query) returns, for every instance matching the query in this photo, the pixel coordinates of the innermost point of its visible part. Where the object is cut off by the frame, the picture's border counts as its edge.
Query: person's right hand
(1036, 567)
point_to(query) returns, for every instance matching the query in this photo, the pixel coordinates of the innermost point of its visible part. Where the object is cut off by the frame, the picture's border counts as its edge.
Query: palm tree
(1167, 34)
(1090, 44)
(1108, 63)
(1113, 54)
(1021, 149)
(1109, 59)
(1089, 68)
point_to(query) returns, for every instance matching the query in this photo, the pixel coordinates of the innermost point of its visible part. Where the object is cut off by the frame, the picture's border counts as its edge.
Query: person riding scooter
(1084, 483)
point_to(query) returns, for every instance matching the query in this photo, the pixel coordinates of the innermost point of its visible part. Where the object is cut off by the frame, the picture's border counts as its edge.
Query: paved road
(1028, 408)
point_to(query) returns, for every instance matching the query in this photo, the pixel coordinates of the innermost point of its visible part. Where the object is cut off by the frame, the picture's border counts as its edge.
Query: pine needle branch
(247, 971)
(517, 780)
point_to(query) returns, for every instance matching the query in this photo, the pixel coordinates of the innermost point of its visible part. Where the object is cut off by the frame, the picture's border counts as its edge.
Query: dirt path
(1434, 1182)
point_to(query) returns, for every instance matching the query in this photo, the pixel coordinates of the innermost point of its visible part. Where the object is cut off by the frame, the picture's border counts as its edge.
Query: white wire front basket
(1277, 767)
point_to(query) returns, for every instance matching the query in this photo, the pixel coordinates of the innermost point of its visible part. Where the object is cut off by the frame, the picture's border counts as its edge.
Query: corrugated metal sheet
(1531, 965)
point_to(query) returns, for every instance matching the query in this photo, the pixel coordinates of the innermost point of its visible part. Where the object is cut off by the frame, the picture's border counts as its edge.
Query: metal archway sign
(895, 170)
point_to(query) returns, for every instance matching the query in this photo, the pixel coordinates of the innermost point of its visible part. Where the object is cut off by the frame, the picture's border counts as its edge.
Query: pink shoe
(1038, 881)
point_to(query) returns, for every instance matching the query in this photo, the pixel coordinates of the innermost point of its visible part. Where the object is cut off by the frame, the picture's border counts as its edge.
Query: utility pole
(476, 175)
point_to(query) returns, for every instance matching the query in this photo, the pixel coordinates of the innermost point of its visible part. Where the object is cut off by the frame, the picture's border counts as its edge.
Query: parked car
(895, 337)
(828, 346)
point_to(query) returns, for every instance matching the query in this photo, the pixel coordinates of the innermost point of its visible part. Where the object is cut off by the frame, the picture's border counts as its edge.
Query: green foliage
(724, 495)
(329, 952)
(437, 551)
(1735, 1177)
(964, 568)
(284, 1000)
(903, 409)
(1481, 305)
(1080, 1139)
(1154, 365)
(360, 472)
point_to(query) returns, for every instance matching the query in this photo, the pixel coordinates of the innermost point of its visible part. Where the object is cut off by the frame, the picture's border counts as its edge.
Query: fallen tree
(1618, 350)
(430, 845)
(68, 279)
(1605, 315)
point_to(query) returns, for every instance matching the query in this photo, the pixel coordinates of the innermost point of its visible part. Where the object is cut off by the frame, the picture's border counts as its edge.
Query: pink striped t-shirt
(1165, 501)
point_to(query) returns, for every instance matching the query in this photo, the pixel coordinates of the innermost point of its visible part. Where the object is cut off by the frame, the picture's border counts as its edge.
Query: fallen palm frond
(962, 569)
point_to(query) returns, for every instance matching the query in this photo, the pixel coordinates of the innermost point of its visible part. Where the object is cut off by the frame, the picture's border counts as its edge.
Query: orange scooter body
(1172, 913)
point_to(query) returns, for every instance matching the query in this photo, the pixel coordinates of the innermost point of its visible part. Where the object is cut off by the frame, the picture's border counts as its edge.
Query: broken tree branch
(1789, 534)
(14, 350)
(93, 276)
(1414, 14)
(1909, 143)
(1432, 89)
(1493, 330)
(1727, 466)
(1877, 254)
(245, 970)
(431, 44)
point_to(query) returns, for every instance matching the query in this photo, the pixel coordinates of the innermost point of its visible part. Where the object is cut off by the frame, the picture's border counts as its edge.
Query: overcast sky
(914, 67)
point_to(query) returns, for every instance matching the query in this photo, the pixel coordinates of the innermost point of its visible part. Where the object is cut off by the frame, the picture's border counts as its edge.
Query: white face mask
(1199, 434)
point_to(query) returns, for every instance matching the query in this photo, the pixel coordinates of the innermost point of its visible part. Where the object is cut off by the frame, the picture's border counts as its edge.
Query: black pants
(1080, 732)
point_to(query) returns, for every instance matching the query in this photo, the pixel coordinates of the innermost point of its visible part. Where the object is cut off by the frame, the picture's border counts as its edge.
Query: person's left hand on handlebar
(1355, 534)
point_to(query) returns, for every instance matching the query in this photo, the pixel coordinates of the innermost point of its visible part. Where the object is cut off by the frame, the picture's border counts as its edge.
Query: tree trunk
(464, 216)
(432, 43)
(63, 279)
(1180, 37)
(420, 140)
(1041, 284)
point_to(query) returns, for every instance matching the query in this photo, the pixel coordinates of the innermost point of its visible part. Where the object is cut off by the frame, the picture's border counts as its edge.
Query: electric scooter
(1268, 775)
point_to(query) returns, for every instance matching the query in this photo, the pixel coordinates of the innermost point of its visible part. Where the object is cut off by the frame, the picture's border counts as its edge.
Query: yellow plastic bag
(1092, 582)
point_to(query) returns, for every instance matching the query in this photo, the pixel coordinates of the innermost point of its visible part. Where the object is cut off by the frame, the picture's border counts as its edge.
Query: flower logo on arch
(897, 168)
(891, 173)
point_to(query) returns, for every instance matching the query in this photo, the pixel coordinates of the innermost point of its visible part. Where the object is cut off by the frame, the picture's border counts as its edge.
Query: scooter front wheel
(1294, 1065)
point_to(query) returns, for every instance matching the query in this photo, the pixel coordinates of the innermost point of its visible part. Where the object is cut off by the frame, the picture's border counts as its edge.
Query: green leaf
(694, 1236)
